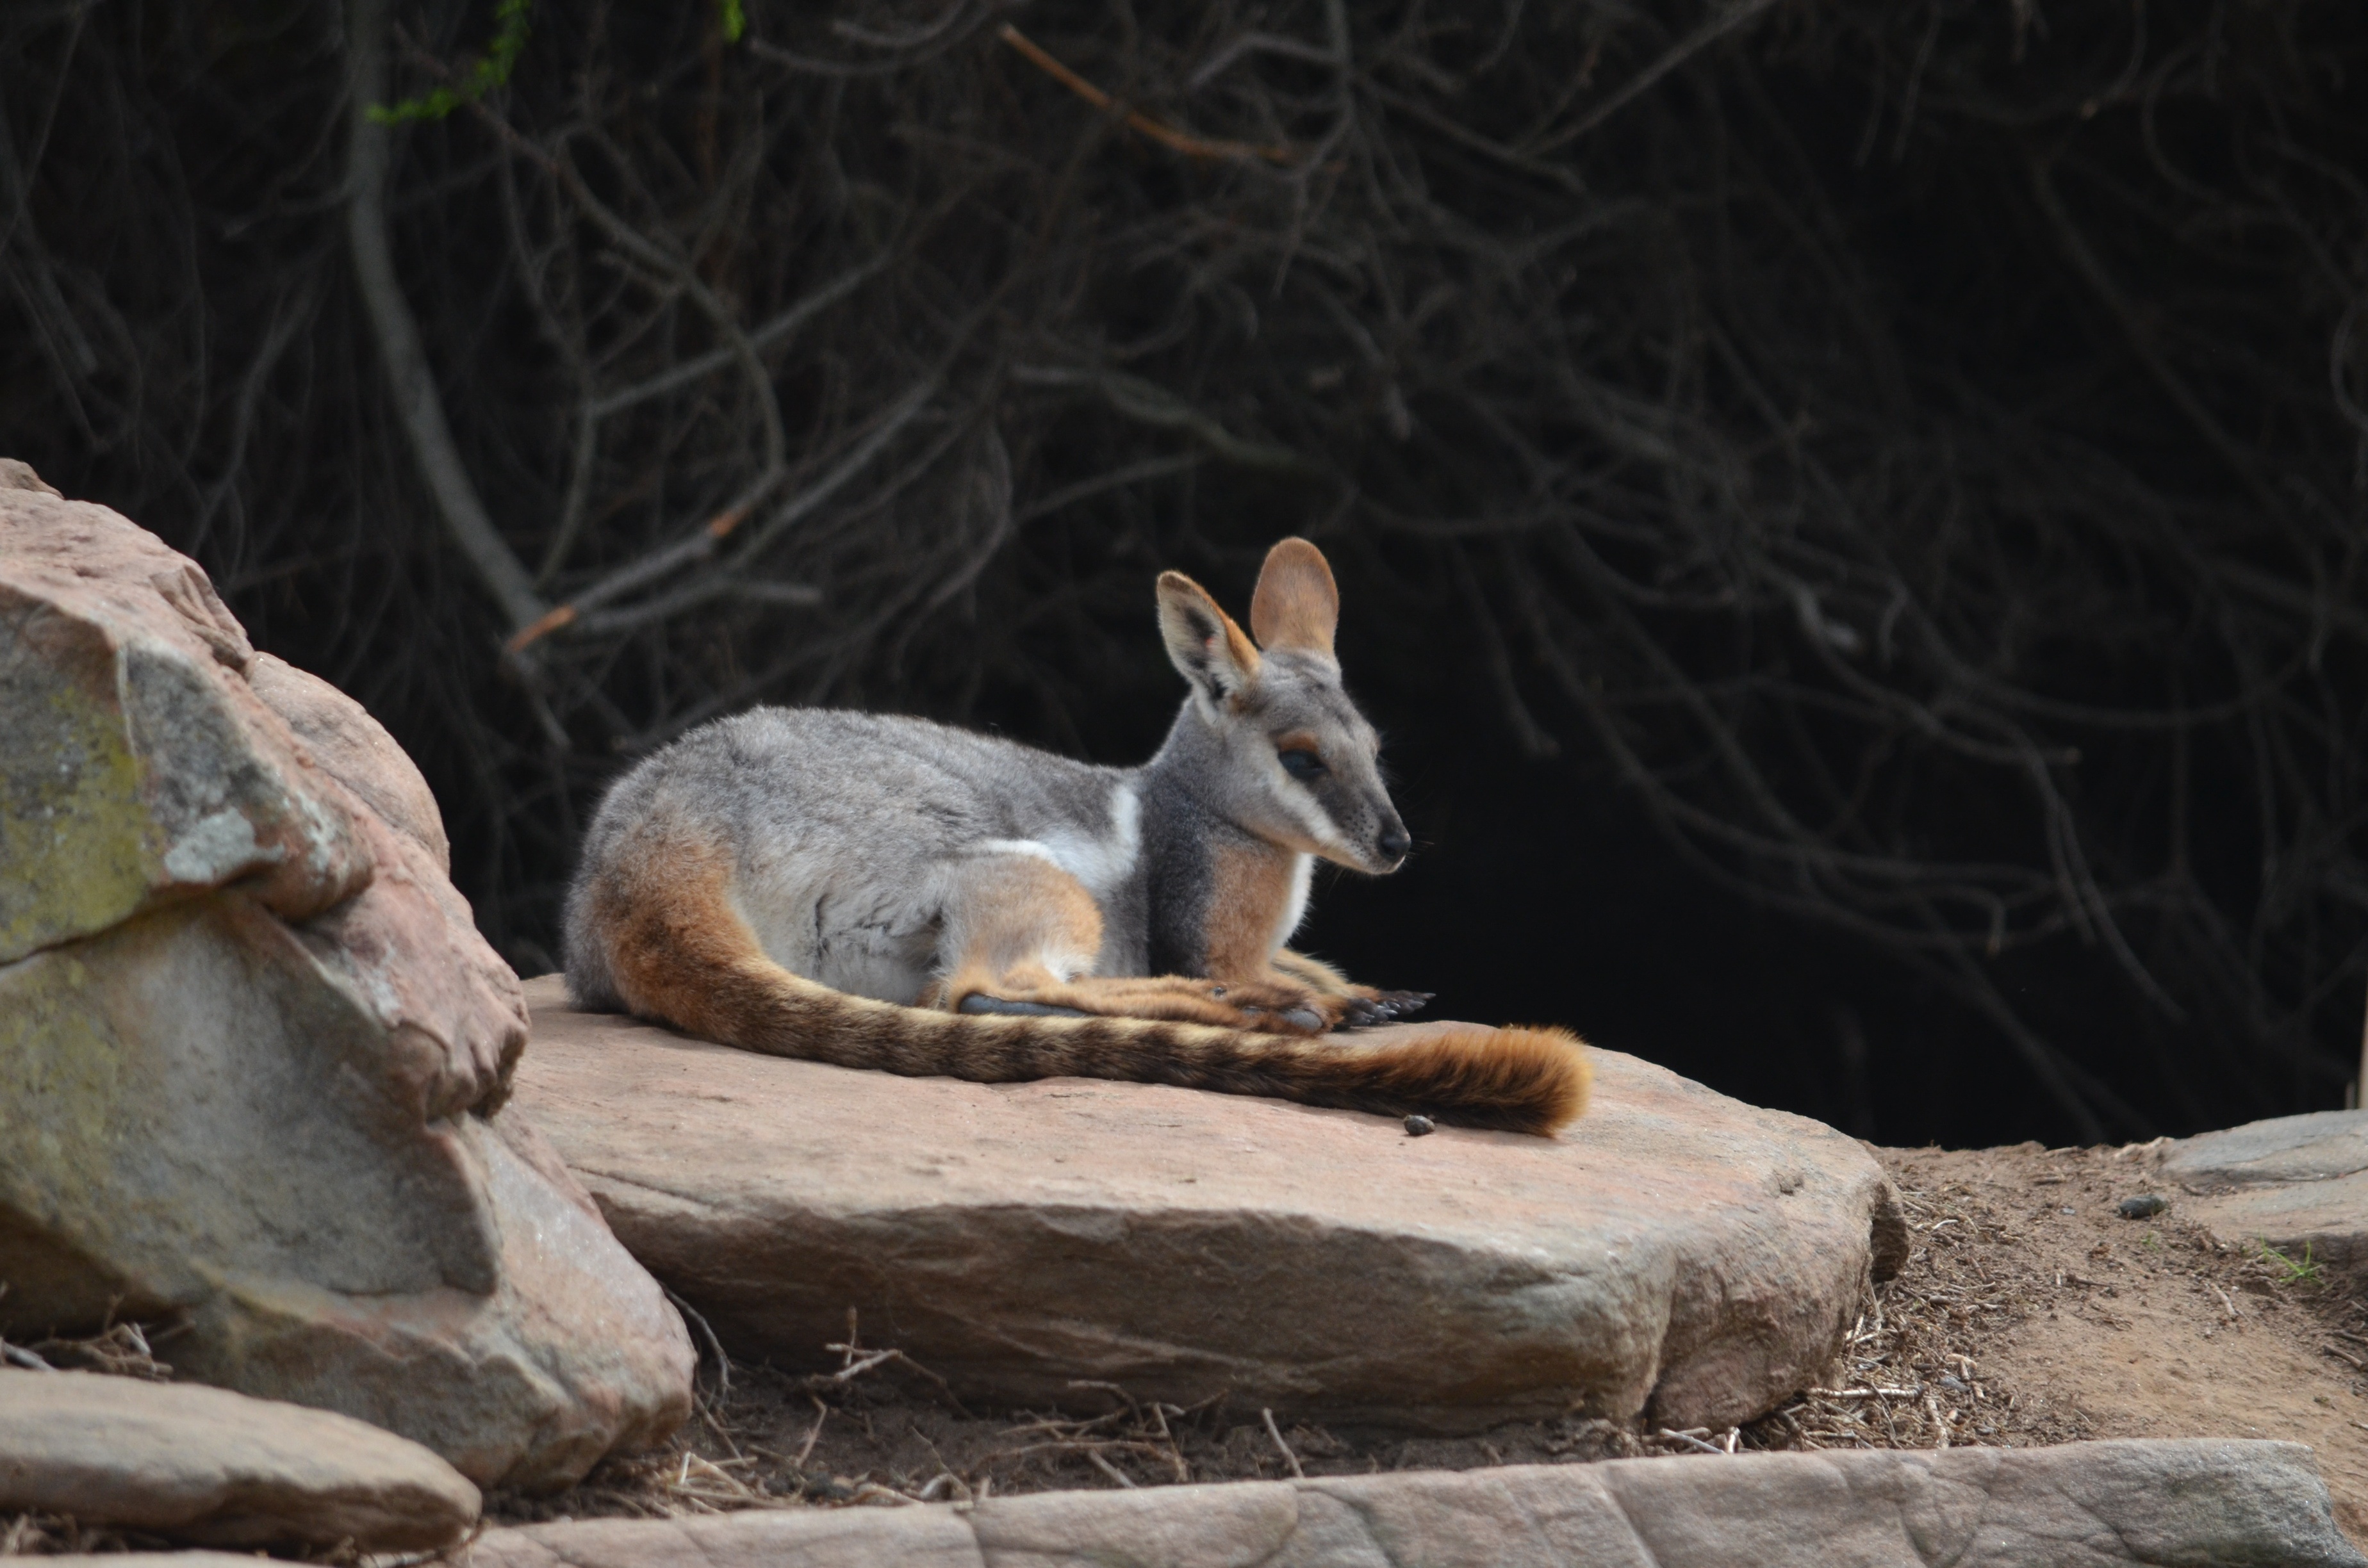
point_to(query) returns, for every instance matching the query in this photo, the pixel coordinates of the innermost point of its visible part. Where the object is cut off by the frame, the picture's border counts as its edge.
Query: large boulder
(202, 1464)
(2081, 1506)
(2295, 1183)
(252, 1045)
(1674, 1253)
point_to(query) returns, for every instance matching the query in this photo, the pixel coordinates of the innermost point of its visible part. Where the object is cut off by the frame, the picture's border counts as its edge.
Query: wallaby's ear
(1203, 641)
(1297, 603)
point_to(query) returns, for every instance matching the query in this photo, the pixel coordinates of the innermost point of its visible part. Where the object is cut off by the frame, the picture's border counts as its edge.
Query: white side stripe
(1102, 863)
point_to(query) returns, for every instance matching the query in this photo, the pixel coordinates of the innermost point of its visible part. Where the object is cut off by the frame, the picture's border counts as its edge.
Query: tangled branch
(1919, 451)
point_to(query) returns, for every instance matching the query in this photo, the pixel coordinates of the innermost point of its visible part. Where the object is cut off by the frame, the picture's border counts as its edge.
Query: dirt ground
(2083, 1323)
(2030, 1312)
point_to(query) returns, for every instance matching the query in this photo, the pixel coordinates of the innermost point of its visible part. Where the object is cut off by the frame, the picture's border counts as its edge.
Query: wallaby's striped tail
(678, 951)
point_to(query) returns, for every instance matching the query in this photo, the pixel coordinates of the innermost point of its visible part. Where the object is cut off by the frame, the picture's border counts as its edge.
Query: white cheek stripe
(1301, 804)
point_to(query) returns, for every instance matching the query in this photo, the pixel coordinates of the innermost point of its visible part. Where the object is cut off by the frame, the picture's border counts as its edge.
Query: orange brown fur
(1247, 901)
(1317, 975)
(1297, 603)
(1016, 909)
(683, 954)
(1238, 644)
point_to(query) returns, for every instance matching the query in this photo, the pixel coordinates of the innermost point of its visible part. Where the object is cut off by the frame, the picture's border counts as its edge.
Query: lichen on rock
(252, 1046)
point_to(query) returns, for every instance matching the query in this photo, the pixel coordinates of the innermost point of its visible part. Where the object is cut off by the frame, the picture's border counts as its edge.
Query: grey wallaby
(888, 892)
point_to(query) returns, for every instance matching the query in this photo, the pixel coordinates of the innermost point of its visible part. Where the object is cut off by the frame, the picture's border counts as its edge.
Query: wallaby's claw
(1382, 1007)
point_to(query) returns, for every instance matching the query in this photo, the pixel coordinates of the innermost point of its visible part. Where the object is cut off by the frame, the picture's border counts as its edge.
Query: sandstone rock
(141, 768)
(250, 1041)
(2295, 1183)
(1673, 1252)
(2185, 1502)
(202, 1464)
(19, 476)
(355, 750)
(2323, 1146)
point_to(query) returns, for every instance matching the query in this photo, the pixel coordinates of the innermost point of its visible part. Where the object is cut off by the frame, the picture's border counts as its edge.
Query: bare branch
(408, 374)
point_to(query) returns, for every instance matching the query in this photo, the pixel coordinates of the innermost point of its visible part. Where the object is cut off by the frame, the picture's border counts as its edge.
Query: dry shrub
(1917, 451)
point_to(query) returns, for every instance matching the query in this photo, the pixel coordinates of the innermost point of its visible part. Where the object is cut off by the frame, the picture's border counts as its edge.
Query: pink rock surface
(145, 767)
(2080, 1506)
(2295, 1183)
(1673, 1252)
(202, 1464)
(354, 750)
(251, 1042)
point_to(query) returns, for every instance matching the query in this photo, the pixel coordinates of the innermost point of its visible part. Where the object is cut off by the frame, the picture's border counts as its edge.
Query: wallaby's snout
(1377, 836)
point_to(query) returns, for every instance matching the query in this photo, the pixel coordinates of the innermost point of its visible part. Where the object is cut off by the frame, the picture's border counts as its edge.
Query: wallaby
(893, 894)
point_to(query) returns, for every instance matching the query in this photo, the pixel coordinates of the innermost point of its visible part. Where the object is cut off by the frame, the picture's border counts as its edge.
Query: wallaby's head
(1292, 758)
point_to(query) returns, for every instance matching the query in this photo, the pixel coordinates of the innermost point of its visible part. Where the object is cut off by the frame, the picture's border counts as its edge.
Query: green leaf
(513, 19)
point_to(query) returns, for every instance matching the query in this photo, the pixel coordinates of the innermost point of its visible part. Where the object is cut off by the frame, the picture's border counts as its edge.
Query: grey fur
(854, 834)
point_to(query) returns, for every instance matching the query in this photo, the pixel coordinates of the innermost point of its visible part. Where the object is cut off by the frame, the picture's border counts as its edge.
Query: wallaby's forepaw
(1369, 1006)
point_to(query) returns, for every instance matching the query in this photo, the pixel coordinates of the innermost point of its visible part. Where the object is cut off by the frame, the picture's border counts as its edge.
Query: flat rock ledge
(203, 1464)
(2192, 1501)
(2295, 1183)
(2187, 1502)
(1675, 1253)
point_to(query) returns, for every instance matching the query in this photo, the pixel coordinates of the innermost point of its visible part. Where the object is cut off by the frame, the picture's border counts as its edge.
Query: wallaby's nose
(1394, 841)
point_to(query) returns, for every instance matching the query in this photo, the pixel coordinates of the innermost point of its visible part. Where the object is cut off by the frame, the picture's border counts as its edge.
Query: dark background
(1851, 517)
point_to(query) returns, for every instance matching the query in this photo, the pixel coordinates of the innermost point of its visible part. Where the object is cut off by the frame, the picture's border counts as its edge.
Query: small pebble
(2145, 1206)
(1418, 1125)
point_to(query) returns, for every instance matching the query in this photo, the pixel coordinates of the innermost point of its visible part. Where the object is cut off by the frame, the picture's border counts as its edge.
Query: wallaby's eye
(1302, 764)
